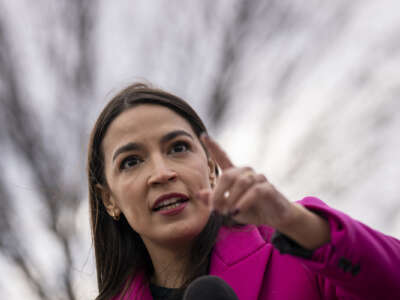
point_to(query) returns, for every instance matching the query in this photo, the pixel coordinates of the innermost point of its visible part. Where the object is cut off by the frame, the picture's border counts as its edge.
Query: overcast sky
(327, 125)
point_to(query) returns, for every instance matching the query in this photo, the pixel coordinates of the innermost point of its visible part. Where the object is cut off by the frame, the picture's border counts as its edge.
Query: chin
(183, 233)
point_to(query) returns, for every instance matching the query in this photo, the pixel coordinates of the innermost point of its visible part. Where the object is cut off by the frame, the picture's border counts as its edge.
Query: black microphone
(209, 288)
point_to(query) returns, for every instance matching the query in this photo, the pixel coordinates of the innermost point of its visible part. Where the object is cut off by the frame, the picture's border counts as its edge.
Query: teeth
(170, 206)
(168, 202)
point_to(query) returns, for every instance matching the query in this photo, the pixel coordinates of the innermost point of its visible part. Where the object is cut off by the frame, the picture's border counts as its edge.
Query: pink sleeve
(358, 261)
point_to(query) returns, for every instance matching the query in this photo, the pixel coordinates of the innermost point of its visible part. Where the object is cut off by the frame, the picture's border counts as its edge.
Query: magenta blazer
(358, 263)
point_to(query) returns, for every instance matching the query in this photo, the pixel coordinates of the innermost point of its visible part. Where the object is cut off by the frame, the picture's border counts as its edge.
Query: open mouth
(170, 204)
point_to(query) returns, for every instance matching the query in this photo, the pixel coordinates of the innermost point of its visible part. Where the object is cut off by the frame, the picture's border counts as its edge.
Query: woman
(162, 215)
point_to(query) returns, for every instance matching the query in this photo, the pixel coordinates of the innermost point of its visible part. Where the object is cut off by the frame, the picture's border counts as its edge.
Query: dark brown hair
(119, 251)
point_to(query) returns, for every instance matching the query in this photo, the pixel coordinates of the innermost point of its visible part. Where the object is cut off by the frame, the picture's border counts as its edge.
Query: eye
(179, 147)
(130, 162)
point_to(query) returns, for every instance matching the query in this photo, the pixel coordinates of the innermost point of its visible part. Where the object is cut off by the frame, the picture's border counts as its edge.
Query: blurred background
(305, 92)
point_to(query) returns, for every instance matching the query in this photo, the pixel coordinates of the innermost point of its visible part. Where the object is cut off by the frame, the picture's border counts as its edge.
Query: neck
(169, 265)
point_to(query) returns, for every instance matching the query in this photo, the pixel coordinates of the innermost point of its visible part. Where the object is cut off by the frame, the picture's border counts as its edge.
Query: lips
(169, 199)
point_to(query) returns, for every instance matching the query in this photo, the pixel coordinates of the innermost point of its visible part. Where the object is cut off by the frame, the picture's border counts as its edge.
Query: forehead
(143, 122)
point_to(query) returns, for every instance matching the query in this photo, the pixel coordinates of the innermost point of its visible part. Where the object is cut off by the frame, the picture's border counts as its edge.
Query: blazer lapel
(240, 257)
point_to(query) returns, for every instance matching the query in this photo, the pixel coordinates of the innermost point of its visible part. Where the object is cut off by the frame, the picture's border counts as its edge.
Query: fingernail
(234, 212)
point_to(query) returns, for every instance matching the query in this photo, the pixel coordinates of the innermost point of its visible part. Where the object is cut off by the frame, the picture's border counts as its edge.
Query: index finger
(216, 152)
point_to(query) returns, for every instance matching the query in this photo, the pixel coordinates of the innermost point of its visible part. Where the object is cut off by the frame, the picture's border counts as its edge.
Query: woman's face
(153, 158)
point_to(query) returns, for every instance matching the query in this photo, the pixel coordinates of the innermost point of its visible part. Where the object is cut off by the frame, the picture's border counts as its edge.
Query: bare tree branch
(232, 42)
(41, 158)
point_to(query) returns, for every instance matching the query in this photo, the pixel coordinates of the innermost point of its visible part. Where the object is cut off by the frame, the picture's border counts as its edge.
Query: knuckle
(225, 178)
(269, 190)
(247, 168)
(261, 178)
(229, 176)
(259, 190)
(244, 181)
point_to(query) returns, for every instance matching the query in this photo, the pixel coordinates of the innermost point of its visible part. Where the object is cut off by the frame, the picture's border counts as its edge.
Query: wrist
(291, 218)
(305, 227)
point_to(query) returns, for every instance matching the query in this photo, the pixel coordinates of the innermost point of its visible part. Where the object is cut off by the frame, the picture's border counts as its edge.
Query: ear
(108, 201)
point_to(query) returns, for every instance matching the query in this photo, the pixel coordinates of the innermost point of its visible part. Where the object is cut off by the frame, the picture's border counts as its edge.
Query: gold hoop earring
(212, 181)
(114, 215)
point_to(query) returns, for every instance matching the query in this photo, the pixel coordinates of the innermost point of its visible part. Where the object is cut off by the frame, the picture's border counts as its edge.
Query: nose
(161, 173)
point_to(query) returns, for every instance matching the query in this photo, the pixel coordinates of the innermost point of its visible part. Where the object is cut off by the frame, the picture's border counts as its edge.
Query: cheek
(131, 200)
(136, 214)
(199, 173)
(204, 172)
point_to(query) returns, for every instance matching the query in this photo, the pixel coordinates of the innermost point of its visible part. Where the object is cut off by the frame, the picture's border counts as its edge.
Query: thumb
(204, 196)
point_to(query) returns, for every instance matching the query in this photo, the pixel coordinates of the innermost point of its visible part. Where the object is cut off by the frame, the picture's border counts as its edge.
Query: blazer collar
(240, 257)
(238, 253)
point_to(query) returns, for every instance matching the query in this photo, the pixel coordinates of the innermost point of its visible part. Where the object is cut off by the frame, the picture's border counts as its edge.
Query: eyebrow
(136, 146)
(126, 148)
